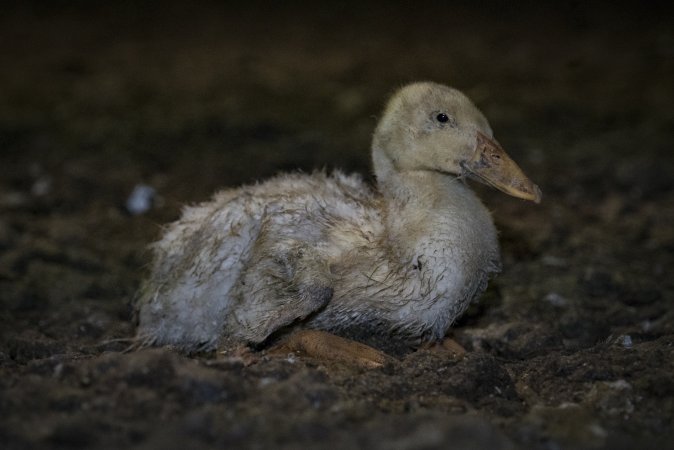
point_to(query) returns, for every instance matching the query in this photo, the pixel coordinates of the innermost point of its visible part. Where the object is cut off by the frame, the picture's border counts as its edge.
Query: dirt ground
(571, 347)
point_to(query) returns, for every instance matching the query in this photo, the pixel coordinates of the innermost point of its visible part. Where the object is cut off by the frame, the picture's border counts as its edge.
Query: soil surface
(571, 347)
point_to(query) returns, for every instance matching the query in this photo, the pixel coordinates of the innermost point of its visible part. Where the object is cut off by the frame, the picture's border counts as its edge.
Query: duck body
(401, 259)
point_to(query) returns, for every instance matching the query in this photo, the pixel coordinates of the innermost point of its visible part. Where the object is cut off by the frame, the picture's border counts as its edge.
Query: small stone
(627, 341)
(554, 261)
(555, 299)
(141, 199)
(41, 187)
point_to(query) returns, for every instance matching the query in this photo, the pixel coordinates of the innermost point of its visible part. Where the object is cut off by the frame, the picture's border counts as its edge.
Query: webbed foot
(447, 345)
(327, 346)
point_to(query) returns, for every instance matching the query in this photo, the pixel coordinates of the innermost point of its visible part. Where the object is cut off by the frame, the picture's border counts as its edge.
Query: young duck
(328, 252)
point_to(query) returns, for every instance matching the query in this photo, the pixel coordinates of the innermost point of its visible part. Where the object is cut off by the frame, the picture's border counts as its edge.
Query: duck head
(431, 127)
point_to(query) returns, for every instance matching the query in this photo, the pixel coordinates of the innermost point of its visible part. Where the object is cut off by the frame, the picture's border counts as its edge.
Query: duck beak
(491, 165)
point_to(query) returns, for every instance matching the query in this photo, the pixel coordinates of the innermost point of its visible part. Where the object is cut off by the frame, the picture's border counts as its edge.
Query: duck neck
(420, 206)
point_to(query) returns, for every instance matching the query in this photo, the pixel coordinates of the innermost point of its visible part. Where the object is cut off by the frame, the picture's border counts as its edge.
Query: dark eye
(442, 117)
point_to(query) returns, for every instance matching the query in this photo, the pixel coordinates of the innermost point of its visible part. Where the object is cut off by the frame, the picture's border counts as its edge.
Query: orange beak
(491, 165)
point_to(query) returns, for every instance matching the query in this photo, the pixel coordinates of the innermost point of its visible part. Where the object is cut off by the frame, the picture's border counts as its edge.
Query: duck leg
(327, 346)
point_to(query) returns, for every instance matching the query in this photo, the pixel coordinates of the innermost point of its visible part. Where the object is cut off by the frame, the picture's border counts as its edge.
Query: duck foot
(240, 353)
(327, 346)
(447, 345)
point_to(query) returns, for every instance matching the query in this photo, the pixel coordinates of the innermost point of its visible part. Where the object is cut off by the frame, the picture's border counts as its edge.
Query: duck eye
(442, 117)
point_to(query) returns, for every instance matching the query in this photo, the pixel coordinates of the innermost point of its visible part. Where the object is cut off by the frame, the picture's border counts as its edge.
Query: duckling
(403, 259)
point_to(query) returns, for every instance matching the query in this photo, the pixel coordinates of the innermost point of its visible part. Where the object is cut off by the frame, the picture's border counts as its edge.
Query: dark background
(571, 347)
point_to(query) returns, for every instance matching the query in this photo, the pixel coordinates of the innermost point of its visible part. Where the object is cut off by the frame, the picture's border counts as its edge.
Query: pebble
(141, 199)
(627, 341)
(555, 299)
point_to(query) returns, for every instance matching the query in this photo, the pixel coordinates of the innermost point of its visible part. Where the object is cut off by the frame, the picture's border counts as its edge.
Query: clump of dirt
(571, 347)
